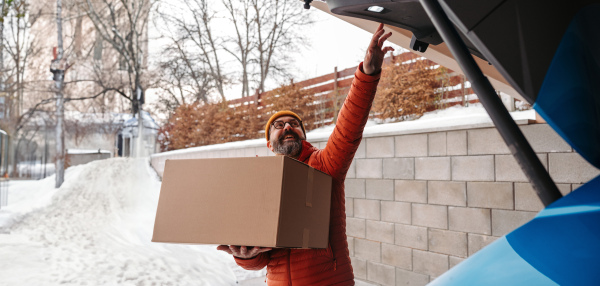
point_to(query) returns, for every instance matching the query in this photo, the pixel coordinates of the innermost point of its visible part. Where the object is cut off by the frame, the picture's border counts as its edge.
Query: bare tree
(19, 46)
(244, 22)
(4, 9)
(185, 76)
(194, 34)
(257, 35)
(181, 84)
(123, 25)
(277, 31)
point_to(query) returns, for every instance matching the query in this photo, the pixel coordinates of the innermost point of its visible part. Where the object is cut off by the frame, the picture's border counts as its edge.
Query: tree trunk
(140, 138)
(2, 48)
(12, 154)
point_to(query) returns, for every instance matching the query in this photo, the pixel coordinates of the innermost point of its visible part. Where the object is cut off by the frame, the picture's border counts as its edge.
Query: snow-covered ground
(96, 230)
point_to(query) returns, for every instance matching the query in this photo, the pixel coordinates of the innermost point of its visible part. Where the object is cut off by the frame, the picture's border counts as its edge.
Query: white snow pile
(438, 120)
(96, 230)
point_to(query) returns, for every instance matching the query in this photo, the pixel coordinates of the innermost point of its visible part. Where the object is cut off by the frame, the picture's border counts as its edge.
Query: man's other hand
(243, 251)
(376, 52)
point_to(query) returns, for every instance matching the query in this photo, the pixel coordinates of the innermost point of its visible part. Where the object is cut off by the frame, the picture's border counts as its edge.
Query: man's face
(288, 140)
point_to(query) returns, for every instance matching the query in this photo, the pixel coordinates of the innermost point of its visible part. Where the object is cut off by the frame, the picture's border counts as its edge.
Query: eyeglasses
(281, 124)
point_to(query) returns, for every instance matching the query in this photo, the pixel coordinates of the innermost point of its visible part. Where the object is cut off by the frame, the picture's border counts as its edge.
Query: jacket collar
(307, 150)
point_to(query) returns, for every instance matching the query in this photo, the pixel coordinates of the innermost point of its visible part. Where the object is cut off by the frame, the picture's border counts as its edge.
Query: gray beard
(290, 148)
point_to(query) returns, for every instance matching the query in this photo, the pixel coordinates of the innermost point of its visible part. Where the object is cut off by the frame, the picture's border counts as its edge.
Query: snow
(87, 151)
(96, 230)
(455, 117)
(34, 169)
(146, 117)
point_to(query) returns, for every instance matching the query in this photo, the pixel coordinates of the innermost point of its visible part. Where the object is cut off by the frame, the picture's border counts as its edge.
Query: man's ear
(270, 146)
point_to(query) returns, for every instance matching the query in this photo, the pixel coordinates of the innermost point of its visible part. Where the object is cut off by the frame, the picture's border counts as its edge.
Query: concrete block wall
(418, 204)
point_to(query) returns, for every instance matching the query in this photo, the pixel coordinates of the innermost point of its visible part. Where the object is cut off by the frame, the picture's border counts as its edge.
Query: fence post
(256, 96)
(335, 95)
(464, 97)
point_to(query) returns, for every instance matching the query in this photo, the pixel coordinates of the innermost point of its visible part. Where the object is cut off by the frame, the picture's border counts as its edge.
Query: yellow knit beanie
(279, 114)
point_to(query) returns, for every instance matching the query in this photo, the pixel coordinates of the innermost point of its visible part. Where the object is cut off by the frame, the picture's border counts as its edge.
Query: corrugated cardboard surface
(258, 201)
(305, 207)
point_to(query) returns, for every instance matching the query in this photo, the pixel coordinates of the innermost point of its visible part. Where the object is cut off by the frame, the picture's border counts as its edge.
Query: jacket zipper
(333, 256)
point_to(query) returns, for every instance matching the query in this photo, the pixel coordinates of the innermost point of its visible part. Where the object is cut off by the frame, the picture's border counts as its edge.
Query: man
(286, 135)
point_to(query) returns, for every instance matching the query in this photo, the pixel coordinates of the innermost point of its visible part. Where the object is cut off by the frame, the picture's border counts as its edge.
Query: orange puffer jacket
(330, 266)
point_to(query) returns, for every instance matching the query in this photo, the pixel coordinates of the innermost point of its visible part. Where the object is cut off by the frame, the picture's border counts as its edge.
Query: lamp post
(58, 67)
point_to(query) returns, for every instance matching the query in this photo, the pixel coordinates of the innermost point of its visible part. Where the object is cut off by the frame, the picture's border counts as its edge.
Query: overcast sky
(332, 43)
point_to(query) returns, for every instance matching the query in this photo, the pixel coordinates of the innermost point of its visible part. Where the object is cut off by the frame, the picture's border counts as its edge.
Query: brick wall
(420, 203)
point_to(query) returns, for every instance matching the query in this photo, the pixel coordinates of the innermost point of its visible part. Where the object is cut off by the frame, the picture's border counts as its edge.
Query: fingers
(379, 38)
(262, 249)
(384, 38)
(224, 248)
(257, 250)
(243, 251)
(387, 49)
(376, 35)
(234, 250)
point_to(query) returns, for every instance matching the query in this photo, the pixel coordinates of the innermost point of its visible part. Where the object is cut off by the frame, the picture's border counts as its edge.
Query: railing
(331, 89)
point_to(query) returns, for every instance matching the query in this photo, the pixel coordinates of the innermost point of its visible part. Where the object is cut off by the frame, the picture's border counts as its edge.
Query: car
(548, 54)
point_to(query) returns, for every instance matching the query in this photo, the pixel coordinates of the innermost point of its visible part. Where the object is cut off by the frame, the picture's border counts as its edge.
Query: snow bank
(96, 230)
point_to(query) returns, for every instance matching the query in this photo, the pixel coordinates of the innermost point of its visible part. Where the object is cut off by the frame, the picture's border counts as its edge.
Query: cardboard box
(257, 201)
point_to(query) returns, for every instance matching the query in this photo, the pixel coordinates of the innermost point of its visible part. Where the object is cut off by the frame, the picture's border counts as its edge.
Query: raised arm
(347, 134)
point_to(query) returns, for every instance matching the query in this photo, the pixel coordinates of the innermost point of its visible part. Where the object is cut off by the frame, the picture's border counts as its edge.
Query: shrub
(294, 98)
(406, 90)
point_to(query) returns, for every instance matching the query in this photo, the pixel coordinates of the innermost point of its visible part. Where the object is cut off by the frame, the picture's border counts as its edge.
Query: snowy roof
(126, 119)
(148, 121)
(43, 118)
(86, 151)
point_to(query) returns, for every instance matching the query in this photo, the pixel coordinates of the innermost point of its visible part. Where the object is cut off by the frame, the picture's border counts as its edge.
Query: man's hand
(376, 52)
(243, 251)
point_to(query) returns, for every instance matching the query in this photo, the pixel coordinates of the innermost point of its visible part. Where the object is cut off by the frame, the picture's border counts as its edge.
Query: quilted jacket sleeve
(257, 263)
(347, 134)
